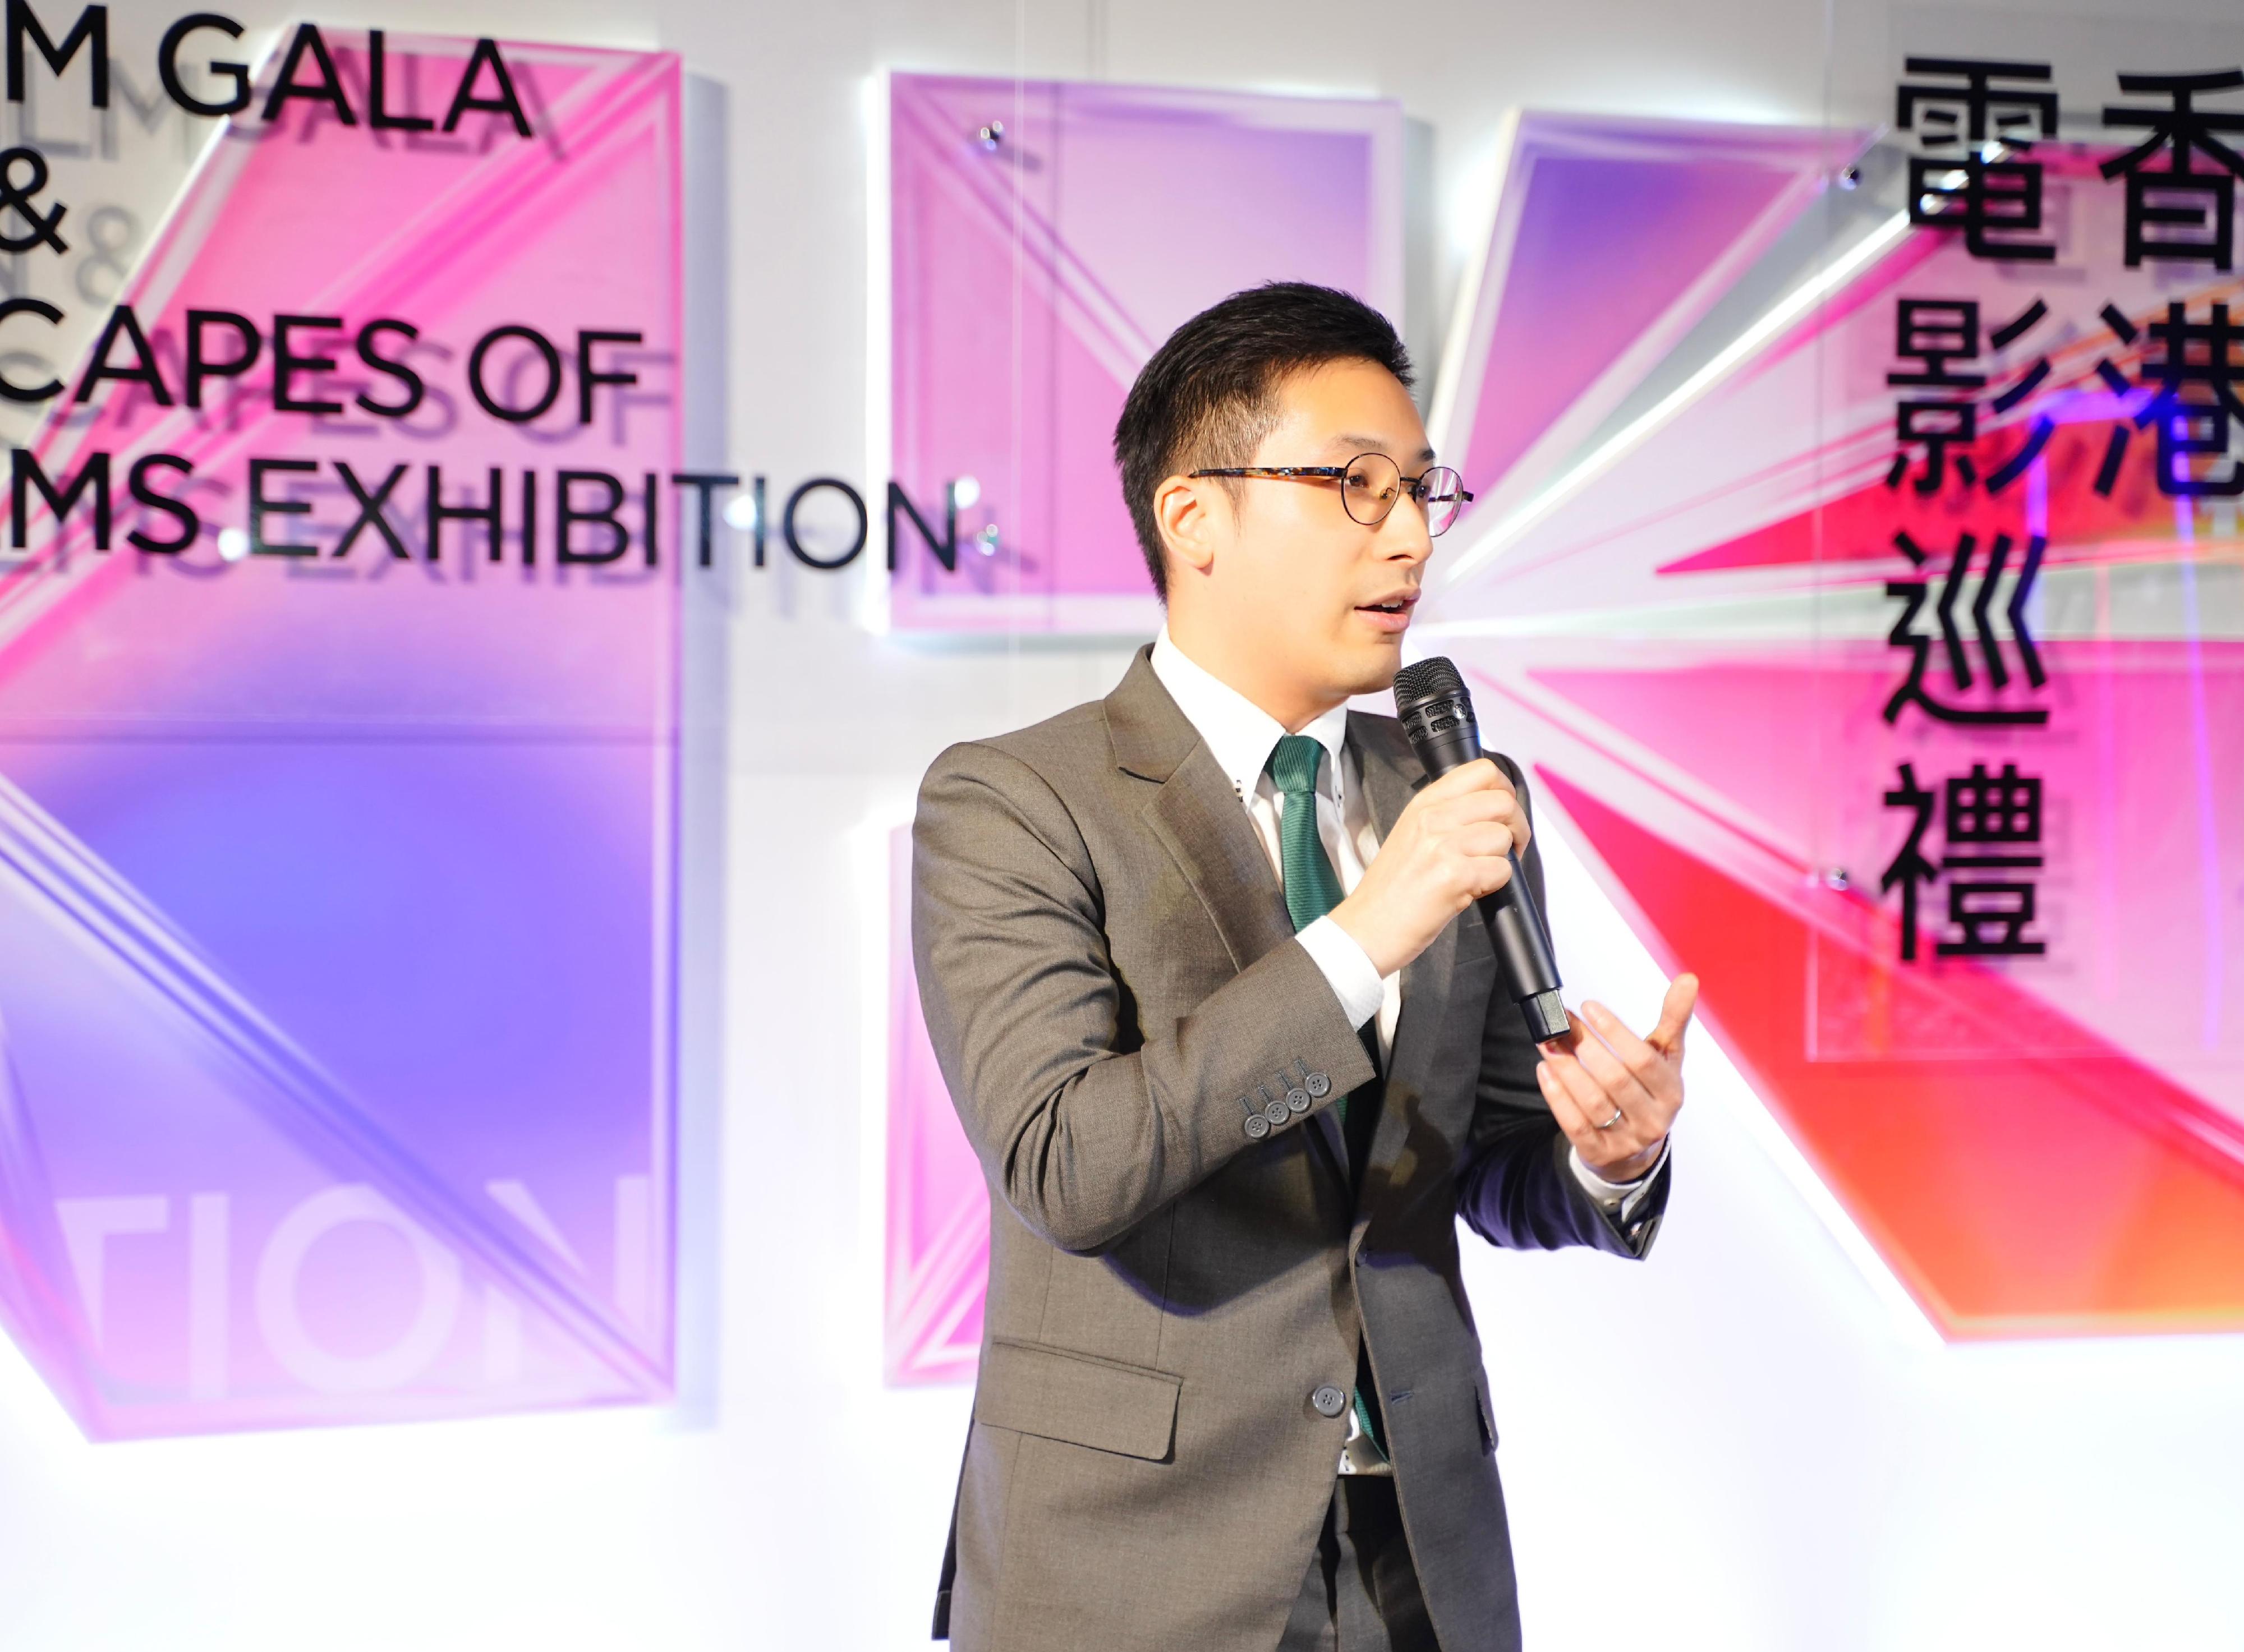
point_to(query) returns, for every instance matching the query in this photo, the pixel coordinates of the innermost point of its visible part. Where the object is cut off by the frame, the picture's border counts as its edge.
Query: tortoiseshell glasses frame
(1370, 484)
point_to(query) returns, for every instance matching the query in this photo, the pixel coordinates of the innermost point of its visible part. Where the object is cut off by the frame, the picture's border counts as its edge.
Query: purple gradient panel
(1609, 238)
(1027, 289)
(937, 1251)
(337, 893)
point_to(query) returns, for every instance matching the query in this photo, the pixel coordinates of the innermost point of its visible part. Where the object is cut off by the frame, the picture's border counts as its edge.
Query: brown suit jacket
(1114, 993)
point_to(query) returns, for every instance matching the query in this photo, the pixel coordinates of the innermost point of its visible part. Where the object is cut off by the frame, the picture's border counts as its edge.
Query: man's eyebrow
(1374, 444)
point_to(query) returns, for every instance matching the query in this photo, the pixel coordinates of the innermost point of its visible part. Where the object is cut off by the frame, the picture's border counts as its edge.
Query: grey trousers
(1360, 1591)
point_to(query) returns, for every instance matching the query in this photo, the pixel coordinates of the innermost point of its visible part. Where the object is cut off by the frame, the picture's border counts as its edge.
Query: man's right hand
(1449, 847)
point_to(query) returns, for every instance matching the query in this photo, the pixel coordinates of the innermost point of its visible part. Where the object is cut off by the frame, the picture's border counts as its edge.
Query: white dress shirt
(1242, 735)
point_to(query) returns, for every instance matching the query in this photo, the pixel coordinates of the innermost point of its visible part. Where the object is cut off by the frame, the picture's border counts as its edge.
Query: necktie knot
(1292, 765)
(1312, 887)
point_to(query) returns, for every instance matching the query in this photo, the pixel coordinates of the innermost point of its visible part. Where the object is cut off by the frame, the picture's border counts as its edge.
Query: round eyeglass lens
(1370, 489)
(1442, 492)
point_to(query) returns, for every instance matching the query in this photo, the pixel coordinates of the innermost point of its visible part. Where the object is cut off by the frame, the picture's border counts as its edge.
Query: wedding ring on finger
(1618, 1114)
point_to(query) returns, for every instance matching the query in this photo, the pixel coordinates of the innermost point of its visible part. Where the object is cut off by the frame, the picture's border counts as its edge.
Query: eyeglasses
(1370, 485)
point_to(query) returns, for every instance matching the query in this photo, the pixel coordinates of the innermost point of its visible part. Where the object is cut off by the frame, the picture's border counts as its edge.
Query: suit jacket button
(1317, 1085)
(1257, 1126)
(1329, 1401)
(1274, 1109)
(1298, 1099)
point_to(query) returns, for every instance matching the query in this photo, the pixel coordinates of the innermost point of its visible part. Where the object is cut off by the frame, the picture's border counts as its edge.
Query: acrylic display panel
(338, 882)
(1028, 281)
(1024, 294)
(936, 1262)
(1685, 608)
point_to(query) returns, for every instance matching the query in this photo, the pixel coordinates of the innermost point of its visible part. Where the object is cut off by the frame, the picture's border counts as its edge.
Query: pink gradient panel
(937, 1250)
(1953, 1169)
(1025, 294)
(2138, 956)
(1688, 636)
(339, 889)
(1024, 298)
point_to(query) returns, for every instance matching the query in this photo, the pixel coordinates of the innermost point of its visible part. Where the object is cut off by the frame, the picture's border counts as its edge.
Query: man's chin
(1370, 667)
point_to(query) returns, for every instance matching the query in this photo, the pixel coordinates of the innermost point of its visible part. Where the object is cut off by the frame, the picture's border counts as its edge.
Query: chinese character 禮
(1991, 827)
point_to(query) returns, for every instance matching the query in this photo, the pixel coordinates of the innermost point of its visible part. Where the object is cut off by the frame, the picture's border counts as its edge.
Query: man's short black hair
(1210, 394)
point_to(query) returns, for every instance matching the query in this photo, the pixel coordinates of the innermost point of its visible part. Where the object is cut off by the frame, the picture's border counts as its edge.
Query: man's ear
(1193, 521)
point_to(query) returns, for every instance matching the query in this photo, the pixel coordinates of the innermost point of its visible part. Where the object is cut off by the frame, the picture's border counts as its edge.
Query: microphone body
(1437, 715)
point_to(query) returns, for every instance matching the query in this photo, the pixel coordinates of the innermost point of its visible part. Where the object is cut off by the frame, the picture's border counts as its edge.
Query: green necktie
(1313, 889)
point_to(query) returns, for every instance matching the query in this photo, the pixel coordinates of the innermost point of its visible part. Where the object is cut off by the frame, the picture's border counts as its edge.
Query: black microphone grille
(1430, 679)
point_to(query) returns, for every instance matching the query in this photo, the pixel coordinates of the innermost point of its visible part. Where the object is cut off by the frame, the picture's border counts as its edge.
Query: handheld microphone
(1437, 715)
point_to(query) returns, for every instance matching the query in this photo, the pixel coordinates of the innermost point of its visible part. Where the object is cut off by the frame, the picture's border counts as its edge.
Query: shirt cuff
(1616, 1198)
(1346, 968)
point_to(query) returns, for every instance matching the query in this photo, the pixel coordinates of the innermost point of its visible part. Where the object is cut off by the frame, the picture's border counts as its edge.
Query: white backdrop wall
(1737, 1446)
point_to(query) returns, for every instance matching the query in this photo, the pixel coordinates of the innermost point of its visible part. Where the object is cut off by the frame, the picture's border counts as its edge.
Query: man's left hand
(1616, 1095)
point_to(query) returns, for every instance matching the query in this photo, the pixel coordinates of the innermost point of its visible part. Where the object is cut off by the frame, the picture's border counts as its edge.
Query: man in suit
(1202, 968)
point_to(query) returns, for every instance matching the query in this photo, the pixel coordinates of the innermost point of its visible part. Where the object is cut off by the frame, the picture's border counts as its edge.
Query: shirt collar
(1240, 734)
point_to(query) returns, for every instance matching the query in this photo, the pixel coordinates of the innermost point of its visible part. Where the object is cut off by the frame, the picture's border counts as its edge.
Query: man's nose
(1404, 532)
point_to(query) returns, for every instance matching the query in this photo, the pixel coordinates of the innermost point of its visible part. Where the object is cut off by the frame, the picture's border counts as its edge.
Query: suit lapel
(1200, 820)
(1196, 815)
(1392, 775)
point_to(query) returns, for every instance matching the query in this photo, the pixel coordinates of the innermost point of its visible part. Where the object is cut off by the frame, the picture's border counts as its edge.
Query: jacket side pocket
(1058, 1393)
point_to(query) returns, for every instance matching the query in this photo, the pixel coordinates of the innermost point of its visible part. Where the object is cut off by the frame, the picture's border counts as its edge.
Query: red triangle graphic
(2014, 1196)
